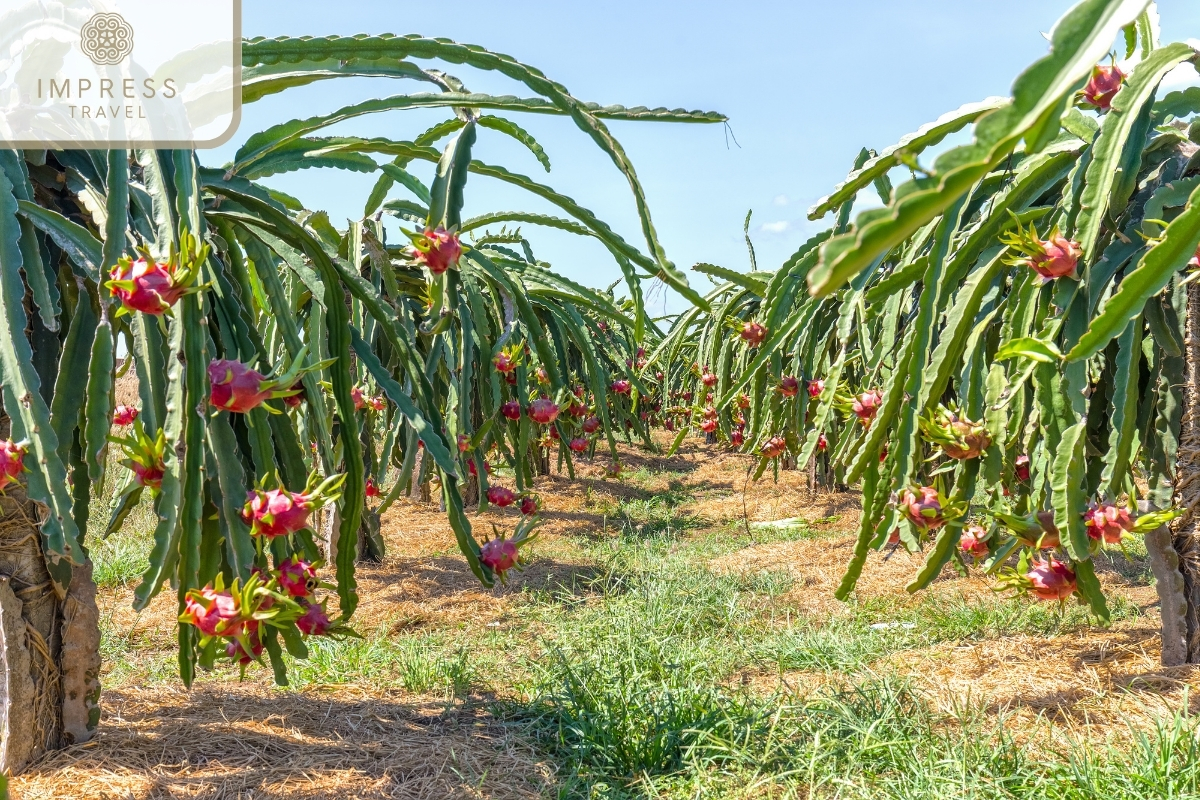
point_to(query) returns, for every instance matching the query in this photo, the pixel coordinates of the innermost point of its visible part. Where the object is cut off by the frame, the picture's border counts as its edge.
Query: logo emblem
(107, 39)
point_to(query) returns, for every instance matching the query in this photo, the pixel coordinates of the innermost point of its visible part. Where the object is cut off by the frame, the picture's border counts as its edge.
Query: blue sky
(805, 84)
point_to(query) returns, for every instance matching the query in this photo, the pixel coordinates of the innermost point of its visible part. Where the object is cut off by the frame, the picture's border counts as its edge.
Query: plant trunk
(49, 646)
(1178, 557)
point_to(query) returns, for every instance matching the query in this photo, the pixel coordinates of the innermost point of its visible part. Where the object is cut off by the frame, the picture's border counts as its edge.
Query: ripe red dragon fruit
(487, 468)
(622, 386)
(500, 496)
(359, 398)
(438, 249)
(709, 413)
(1050, 580)
(315, 620)
(276, 513)
(529, 505)
(464, 443)
(1021, 468)
(578, 445)
(708, 378)
(866, 406)
(774, 447)
(972, 541)
(753, 334)
(297, 577)
(294, 400)
(125, 415)
(687, 397)
(504, 362)
(378, 402)
(743, 401)
(543, 411)
(213, 613)
(1107, 521)
(144, 457)
(591, 424)
(658, 376)
(789, 386)
(709, 426)
(500, 555)
(237, 652)
(1102, 86)
(922, 507)
(147, 285)
(12, 461)
(815, 387)
(1058, 257)
(822, 443)
(737, 438)
(511, 410)
(238, 388)
(371, 489)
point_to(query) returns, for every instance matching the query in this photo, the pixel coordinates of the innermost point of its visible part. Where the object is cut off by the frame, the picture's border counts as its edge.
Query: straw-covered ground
(663, 642)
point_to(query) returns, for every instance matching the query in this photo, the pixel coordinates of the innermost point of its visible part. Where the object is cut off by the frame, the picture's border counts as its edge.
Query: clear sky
(805, 84)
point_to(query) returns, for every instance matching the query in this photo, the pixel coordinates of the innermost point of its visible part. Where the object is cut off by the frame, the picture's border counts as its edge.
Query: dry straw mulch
(248, 742)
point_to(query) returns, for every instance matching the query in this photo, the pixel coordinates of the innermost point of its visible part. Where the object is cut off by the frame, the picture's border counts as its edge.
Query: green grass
(629, 675)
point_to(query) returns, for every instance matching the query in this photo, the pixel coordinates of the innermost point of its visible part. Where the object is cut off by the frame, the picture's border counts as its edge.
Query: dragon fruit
(1103, 86)
(236, 651)
(214, 613)
(815, 387)
(277, 512)
(239, 389)
(371, 489)
(822, 443)
(297, 577)
(504, 362)
(437, 249)
(148, 286)
(1021, 468)
(1107, 521)
(774, 447)
(358, 397)
(743, 401)
(543, 411)
(753, 334)
(709, 425)
(12, 461)
(866, 405)
(500, 496)
(500, 555)
(294, 400)
(708, 378)
(972, 541)
(1050, 580)
(1058, 257)
(922, 507)
(529, 505)
(789, 386)
(125, 415)
(578, 445)
(314, 621)
(622, 386)
(464, 443)
(511, 410)
(144, 457)
(378, 402)
(737, 438)
(591, 424)
(959, 438)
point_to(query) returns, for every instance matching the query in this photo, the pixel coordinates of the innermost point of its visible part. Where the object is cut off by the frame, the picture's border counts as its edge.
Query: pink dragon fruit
(297, 577)
(1058, 258)
(500, 496)
(500, 555)
(504, 362)
(1107, 521)
(822, 443)
(709, 426)
(972, 541)
(1050, 580)
(125, 415)
(277, 512)
(866, 406)
(1021, 468)
(923, 508)
(12, 461)
(511, 410)
(146, 285)
(815, 387)
(438, 249)
(237, 652)
(371, 489)
(578, 445)
(743, 401)
(753, 334)
(622, 386)
(591, 424)
(1102, 86)
(543, 411)
(543, 377)
(959, 438)
(789, 386)
(213, 613)
(774, 447)
(294, 400)
(358, 397)
(237, 388)
(315, 620)
(378, 402)
(529, 505)
(737, 438)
